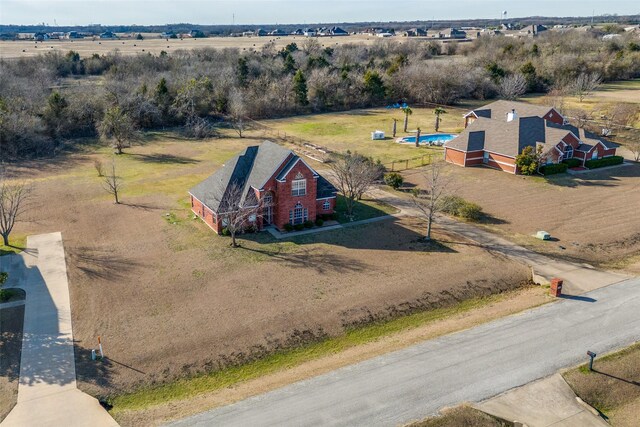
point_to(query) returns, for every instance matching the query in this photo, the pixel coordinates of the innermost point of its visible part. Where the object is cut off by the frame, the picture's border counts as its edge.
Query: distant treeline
(48, 101)
(222, 30)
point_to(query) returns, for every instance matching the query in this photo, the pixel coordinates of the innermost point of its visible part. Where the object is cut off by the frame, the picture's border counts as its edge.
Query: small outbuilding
(377, 135)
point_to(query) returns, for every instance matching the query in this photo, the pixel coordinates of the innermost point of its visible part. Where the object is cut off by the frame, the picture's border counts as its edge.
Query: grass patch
(189, 387)
(362, 209)
(613, 384)
(16, 245)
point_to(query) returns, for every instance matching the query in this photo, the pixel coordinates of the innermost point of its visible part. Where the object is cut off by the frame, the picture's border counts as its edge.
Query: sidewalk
(47, 392)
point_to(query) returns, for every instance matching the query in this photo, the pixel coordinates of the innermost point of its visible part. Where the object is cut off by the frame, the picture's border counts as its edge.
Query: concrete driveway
(472, 365)
(47, 392)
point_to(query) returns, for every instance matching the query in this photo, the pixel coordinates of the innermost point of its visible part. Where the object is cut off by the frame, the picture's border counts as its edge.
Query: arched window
(298, 214)
(267, 200)
(326, 205)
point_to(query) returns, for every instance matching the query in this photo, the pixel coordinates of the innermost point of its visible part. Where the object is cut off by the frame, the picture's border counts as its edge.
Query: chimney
(512, 116)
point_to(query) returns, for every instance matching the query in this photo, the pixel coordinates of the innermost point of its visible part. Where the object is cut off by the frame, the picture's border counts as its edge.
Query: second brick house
(281, 184)
(496, 134)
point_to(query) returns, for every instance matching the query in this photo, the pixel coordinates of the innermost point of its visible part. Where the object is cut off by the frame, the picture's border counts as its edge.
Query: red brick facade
(285, 203)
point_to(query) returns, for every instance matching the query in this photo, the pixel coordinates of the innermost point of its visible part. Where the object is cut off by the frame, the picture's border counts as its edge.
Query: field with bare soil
(592, 217)
(171, 299)
(154, 44)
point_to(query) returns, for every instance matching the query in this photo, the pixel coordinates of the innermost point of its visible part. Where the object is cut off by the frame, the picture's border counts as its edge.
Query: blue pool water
(435, 138)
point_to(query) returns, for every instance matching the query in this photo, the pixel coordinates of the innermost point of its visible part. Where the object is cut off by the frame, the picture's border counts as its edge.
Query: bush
(308, 224)
(393, 180)
(225, 232)
(554, 168)
(606, 161)
(459, 207)
(572, 163)
(298, 227)
(319, 222)
(288, 227)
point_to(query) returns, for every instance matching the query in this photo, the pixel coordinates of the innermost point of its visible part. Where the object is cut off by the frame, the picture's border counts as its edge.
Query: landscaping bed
(11, 324)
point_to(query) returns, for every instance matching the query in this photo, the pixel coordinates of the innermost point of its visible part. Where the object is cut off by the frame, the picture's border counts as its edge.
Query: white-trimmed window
(594, 155)
(299, 187)
(298, 214)
(267, 200)
(326, 205)
(568, 152)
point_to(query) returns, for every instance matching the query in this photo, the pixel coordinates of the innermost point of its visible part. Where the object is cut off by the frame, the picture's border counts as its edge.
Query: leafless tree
(117, 127)
(237, 112)
(14, 203)
(512, 87)
(585, 84)
(238, 210)
(354, 174)
(113, 183)
(431, 200)
(99, 166)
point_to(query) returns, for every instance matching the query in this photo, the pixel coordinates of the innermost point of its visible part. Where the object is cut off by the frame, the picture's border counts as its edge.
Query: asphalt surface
(471, 365)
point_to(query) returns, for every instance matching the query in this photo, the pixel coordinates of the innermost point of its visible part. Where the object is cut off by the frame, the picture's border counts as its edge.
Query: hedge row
(573, 163)
(606, 161)
(554, 168)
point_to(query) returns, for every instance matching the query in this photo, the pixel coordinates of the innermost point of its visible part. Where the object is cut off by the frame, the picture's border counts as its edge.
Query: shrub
(225, 232)
(606, 161)
(572, 163)
(554, 168)
(319, 222)
(288, 227)
(308, 224)
(3, 277)
(393, 180)
(298, 227)
(459, 207)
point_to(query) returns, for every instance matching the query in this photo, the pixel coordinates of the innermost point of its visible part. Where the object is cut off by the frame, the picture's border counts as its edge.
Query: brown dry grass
(509, 304)
(613, 387)
(593, 216)
(11, 322)
(170, 298)
(461, 416)
(154, 45)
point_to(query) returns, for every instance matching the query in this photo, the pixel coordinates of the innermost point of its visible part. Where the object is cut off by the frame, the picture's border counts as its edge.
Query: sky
(149, 12)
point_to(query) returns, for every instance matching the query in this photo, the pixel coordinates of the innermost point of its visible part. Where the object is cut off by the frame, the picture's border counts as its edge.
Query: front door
(267, 215)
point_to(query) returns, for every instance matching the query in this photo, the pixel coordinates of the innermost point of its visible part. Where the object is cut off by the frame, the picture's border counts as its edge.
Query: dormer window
(299, 185)
(568, 152)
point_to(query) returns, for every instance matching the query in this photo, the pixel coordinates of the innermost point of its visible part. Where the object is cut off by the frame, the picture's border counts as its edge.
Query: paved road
(467, 366)
(47, 392)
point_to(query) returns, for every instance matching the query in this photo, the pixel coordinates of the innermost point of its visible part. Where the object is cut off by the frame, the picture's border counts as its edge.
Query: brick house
(495, 134)
(284, 188)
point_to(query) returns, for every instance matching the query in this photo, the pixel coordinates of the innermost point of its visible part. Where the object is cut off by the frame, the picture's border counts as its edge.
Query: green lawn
(351, 130)
(16, 245)
(363, 209)
(190, 387)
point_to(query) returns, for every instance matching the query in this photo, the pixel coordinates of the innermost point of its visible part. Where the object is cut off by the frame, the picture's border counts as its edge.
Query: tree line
(53, 101)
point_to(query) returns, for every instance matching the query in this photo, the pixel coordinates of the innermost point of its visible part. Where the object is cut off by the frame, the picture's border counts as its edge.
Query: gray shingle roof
(499, 110)
(252, 168)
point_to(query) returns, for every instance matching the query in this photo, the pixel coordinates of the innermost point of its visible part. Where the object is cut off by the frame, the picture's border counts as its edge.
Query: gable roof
(251, 168)
(499, 110)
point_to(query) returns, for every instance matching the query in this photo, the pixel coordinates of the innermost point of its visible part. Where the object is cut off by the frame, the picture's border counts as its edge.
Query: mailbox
(556, 287)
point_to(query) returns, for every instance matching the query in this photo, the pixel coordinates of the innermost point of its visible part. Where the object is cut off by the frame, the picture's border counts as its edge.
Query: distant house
(277, 32)
(108, 35)
(284, 187)
(448, 33)
(337, 31)
(415, 32)
(26, 36)
(309, 32)
(496, 134)
(167, 35)
(260, 32)
(297, 32)
(532, 30)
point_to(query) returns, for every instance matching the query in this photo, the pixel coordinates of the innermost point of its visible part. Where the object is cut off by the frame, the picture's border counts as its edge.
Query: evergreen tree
(243, 71)
(300, 88)
(374, 85)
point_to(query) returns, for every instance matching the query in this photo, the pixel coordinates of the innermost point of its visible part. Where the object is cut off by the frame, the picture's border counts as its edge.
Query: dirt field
(87, 47)
(170, 298)
(593, 216)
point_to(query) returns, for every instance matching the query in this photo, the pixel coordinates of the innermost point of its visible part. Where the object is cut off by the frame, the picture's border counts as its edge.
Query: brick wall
(555, 117)
(286, 201)
(319, 206)
(454, 156)
(205, 214)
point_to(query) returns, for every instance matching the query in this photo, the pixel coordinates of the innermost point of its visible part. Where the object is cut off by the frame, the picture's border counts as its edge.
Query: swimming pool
(430, 139)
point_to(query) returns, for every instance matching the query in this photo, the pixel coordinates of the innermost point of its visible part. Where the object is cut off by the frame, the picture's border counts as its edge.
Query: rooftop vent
(512, 115)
